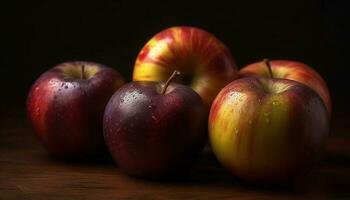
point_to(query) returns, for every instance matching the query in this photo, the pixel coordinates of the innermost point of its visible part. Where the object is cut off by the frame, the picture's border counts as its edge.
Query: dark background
(40, 34)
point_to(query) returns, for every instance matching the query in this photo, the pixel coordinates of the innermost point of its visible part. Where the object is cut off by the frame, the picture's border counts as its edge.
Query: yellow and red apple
(266, 129)
(204, 61)
(292, 70)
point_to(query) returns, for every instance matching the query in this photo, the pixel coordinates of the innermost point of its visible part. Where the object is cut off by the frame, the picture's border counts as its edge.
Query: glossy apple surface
(267, 130)
(204, 61)
(292, 70)
(65, 107)
(155, 135)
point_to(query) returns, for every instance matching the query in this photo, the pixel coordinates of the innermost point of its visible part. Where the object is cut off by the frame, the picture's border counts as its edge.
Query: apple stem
(175, 73)
(267, 63)
(82, 75)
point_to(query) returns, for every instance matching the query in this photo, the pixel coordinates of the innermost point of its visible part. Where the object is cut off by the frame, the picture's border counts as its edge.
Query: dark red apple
(154, 129)
(65, 107)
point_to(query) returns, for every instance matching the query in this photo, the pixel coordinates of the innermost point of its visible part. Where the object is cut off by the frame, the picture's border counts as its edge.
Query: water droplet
(150, 106)
(266, 114)
(267, 120)
(37, 88)
(37, 111)
(66, 87)
(122, 100)
(250, 121)
(235, 130)
(153, 117)
(274, 103)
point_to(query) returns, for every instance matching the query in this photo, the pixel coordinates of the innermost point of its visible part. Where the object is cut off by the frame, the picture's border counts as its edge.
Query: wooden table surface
(27, 172)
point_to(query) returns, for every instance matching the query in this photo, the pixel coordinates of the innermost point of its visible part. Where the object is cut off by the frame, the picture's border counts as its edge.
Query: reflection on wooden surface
(27, 172)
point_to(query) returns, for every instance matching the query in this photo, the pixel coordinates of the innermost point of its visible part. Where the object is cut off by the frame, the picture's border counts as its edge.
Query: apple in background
(65, 107)
(267, 130)
(155, 130)
(204, 61)
(292, 70)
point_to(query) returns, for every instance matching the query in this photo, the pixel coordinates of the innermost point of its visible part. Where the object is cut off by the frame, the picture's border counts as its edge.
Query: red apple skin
(292, 70)
(205, 63)
(153, 135)
(66, 112)
(268, 130)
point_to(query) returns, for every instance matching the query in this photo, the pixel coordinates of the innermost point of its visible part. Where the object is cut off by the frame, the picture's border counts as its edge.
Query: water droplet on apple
(150, 106)
(37, 88)
(236, 130)
(37, 111)
(267, 120)
(85, 93)
(66, 87)
(266, 114)
(121, 100)
(274, 103)
(250, 121)
(154, 117)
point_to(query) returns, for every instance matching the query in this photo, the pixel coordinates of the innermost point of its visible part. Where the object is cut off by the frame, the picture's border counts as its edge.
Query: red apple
(66, 104)
(267, 130)
(292, 70)
(204, 61)
(155, 130)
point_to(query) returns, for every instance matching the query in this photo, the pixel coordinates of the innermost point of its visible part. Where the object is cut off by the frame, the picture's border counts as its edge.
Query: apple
(204, 61)
(292, 70)
(65, 107)
(155, 129)
(268, 130)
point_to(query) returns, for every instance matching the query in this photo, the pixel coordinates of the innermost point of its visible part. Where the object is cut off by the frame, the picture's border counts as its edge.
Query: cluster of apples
(267, 122)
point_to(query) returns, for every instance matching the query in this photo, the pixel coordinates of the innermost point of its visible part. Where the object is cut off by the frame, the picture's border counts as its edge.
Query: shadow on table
(325, 180)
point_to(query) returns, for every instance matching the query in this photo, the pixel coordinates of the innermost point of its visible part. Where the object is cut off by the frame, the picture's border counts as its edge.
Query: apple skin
(268, 130)
(66, 111)
(292, 70)
(204, 61)
(153, 135)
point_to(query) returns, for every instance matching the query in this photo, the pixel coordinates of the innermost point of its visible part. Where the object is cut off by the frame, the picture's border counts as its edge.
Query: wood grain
(27, 172)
